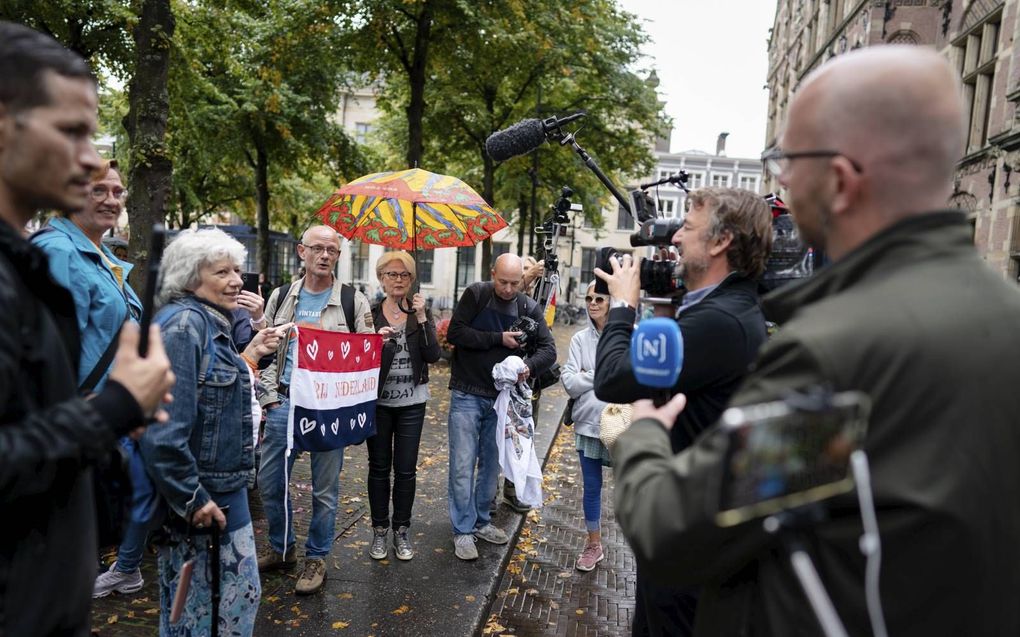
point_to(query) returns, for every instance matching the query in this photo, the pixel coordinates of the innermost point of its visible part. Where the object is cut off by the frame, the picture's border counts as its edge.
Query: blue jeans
(591, 470)
(129, 553)
(326, 466)
(472, 430)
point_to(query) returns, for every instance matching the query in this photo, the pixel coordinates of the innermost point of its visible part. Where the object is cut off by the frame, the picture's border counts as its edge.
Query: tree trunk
(262, 207)
(522, 213)
(416, 83)
(151, 170)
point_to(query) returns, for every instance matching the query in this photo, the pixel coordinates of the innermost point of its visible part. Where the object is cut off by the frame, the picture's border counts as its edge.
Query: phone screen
(780, 457)
(250, 282)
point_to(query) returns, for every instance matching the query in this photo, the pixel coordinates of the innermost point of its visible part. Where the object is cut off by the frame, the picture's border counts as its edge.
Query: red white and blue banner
(333, 388)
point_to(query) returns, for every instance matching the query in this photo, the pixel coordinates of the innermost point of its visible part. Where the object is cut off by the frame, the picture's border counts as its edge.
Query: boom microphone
(657, 356)
(525, 136)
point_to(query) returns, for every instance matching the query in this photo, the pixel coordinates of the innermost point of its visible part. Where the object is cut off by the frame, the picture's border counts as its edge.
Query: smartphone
(250, 282)
(151, 285)
(181, 595)
(781, 457)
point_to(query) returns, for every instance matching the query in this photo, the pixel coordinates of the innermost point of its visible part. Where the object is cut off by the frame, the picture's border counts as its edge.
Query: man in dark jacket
(49, 437)
(480, 333)
(723, 245)
(907, 313)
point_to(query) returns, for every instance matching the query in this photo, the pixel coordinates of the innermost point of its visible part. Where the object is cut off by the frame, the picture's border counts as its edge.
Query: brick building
(977, 36)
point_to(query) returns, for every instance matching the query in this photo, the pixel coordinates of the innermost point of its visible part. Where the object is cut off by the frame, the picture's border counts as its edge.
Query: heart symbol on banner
(329, 354)
(335, 426)
(357, 359)
(362, 417)
(306, 425)
(322, 429)
(352, 424)
(312, 349)
(368, 346)
(345, 349)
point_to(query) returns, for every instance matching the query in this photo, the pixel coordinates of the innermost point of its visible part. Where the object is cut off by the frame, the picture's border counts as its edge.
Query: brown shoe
(312, 577)
(273, 561)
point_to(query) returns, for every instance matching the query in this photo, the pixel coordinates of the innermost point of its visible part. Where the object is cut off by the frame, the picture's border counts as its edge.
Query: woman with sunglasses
(578, 375)
(400, 409)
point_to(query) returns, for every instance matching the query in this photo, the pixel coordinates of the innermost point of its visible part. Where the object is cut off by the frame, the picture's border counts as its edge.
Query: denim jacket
(207, 444)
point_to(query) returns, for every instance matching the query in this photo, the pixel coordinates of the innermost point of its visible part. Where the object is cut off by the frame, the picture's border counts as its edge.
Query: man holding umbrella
(479, 330)
(320, 300)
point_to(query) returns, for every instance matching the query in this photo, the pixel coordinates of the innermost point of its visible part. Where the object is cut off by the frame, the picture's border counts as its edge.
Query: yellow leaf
(345, 596)
(579, 611)
(469, 598)
(271, 598)
(403, 609)
(339, 625)
(112, 619)
(152, 611)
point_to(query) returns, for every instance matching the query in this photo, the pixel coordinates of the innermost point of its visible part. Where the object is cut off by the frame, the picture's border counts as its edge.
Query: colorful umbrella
(411, 209)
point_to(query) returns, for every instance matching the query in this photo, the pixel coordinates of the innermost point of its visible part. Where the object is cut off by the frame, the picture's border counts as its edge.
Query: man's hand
(625, 281)
(666, 415)
(510, 340)
(418, 305)
(533, 272)
(148, 379)
(254, 304)
(524, 375)
(208, 514)
(266, 341)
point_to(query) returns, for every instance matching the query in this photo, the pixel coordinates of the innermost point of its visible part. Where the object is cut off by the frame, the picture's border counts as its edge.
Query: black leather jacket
(422, 351)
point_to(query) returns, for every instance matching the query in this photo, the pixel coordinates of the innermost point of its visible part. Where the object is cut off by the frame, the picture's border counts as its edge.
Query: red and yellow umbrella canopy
(409, 209)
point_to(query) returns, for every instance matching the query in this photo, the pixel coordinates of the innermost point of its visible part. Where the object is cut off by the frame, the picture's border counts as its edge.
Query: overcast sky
(712, 58)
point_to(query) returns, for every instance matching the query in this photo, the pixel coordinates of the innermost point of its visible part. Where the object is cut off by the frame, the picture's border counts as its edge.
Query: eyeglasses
(393, 276)
(317, 250)
(778, 161)
(597, 300)
(100, 193)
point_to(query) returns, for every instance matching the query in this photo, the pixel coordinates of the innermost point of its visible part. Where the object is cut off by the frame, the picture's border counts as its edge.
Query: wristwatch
(620, 303)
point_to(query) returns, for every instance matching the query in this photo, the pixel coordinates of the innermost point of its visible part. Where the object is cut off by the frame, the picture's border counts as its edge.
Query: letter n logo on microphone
(652, 349)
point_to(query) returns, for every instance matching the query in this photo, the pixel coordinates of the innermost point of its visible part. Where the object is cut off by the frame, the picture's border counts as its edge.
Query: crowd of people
(906, 312)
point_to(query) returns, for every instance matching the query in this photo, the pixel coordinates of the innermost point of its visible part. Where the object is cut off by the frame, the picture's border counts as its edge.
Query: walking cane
(214, 575)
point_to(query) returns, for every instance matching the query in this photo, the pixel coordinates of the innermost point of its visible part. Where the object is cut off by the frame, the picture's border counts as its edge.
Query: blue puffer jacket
(207, 444)
(100, 304)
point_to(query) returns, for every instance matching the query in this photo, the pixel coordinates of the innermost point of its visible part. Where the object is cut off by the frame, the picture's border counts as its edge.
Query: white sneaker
(492, 534)
(113, 581)
(464, 547)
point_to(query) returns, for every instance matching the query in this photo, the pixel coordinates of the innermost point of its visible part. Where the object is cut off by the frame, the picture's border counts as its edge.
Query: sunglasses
(594, 299)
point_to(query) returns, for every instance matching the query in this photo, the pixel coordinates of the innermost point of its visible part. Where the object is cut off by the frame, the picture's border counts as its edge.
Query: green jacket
(915, 319)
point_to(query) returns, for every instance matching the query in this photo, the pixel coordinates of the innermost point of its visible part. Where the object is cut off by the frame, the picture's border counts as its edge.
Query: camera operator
(908, 313)
(723, 245)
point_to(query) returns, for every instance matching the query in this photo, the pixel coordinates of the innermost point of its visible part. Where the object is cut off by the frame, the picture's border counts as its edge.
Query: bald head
(895, 110)
(324, 233)
(507, 275)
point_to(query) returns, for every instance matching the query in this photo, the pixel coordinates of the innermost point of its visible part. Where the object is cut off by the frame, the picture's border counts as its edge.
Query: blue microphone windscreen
(657, 352)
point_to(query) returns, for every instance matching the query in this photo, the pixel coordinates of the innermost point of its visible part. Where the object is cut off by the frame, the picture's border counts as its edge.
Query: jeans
(394, 447)
(129, 553)
(472, 431)
(591, 470)
(326, 466)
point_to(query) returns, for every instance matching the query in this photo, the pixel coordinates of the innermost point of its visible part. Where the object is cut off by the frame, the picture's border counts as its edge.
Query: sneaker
(273, 561)
(402, 545)
(492, 534)
(590, 556)
(464, 546)
(312, 577)
(378, 550)
(113, 581)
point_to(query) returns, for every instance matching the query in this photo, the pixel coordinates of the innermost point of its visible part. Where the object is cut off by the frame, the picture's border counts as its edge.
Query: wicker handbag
(614, 421)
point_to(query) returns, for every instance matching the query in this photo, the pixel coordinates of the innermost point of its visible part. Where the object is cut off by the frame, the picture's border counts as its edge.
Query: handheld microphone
(525, 136)
(657, 356)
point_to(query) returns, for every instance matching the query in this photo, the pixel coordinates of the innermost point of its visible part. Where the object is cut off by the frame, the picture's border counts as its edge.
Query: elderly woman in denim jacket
(203, 459)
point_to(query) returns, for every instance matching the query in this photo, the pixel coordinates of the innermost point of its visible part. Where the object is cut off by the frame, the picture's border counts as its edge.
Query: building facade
(977, 37)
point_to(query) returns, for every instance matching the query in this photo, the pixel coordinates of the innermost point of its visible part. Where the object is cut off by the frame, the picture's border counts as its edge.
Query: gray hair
(187, 254)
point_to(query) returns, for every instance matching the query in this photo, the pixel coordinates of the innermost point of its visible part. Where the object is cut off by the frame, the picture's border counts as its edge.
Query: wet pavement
(436, 593)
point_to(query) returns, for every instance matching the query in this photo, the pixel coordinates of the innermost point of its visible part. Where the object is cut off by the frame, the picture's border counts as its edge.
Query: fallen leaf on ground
(403, 609)
(345, 596)
(112, 619)
(339, 625)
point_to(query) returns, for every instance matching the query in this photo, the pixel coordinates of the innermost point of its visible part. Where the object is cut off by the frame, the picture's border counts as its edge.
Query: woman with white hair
(202, 460)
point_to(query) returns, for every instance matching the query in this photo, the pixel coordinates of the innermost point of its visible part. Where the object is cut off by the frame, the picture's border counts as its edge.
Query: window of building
(359, 262)
(588, 256)
(749, 182)
(426, 261)
(697, 180)
(361, 130)
(720, 181)
(623, 219)
(465, 266)
(499, 247)
(667, 206)
(975, 55)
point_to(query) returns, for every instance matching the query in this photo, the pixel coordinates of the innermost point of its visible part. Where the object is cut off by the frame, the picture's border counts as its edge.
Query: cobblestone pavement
(433, 594)
(541, 593)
